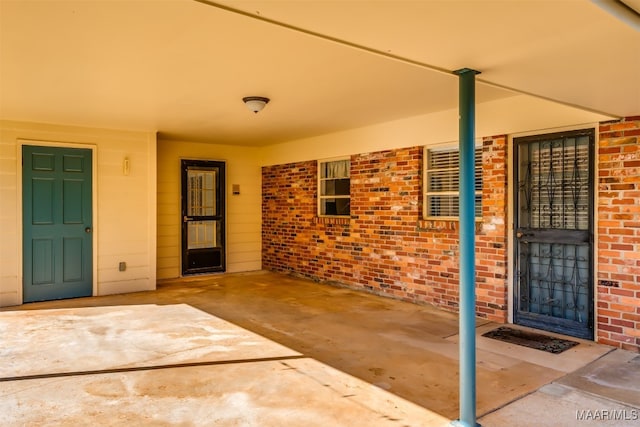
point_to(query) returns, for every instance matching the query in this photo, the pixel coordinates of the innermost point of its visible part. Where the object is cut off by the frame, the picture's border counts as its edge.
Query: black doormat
(530, 339)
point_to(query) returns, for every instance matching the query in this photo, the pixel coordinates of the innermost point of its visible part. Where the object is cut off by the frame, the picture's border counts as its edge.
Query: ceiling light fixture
(255, 103)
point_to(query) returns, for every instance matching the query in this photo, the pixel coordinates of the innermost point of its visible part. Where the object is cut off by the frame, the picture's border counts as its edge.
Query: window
(334, 194)
(442, 182)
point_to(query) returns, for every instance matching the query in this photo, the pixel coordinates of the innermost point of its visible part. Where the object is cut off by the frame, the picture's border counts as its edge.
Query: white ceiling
(181, 67)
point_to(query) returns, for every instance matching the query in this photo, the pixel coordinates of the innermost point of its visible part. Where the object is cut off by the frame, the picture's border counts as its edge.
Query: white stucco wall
(124, 205)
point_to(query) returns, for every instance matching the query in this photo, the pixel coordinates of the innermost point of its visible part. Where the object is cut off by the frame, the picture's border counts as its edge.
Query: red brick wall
(385, 247)
(618, 303)
(491, 241)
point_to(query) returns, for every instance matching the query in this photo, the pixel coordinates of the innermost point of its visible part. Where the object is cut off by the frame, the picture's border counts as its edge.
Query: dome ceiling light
(255, 103)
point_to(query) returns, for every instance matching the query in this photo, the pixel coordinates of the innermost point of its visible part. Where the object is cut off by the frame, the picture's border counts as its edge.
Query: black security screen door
(203, 216)
(554, 232)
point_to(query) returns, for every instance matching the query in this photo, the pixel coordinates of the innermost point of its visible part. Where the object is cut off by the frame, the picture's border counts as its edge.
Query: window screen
(442, 183)
(334, 187)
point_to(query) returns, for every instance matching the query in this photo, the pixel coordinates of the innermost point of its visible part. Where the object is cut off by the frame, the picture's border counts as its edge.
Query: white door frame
(94, 204)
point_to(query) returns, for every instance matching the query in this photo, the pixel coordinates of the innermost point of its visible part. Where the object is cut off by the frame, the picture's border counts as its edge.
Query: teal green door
(57, 223)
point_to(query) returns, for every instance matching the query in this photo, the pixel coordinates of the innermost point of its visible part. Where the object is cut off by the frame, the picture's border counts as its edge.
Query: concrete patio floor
(265, 349)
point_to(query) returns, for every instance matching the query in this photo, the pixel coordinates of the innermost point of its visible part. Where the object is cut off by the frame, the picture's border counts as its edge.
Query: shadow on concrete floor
(406, 349)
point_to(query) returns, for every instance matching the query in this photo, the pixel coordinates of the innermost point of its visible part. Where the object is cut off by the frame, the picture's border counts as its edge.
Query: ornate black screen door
(554, 232)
